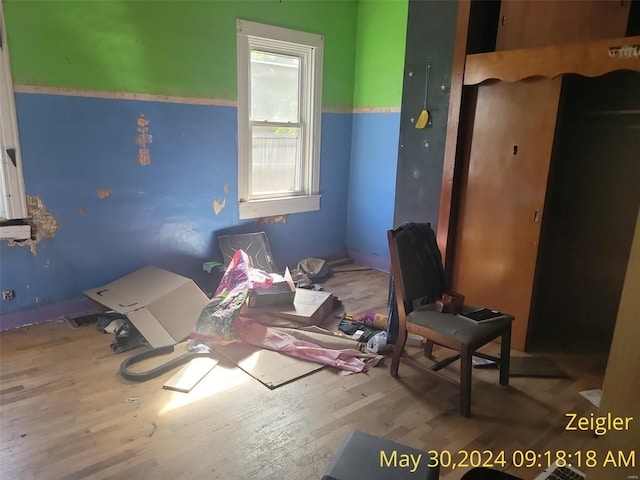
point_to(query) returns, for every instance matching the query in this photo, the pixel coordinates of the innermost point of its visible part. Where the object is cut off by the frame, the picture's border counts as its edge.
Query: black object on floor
(363, 456)
(345, 326)
(535, 367)
(127, 338)
(160, 369)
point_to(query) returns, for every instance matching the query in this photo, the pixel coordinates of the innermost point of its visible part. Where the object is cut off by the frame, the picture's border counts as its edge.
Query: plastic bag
(378, 343)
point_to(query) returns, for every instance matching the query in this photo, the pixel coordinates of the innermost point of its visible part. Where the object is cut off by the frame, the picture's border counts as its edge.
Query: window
(279, 108)
(13, 206)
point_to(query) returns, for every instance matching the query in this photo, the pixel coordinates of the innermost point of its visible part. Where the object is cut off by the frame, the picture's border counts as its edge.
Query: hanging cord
(426, 82)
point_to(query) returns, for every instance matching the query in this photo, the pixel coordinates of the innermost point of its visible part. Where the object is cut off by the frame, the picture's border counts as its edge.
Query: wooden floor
(66, 414)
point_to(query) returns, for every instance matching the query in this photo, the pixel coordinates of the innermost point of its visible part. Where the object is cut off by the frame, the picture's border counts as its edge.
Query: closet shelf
(591, 59)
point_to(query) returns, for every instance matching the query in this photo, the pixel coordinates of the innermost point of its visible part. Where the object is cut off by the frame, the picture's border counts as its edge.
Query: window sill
(15, 232)
(279, 206)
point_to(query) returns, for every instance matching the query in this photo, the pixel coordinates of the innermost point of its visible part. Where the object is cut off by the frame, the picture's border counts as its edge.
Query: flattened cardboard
(162, 305)
(270, 368)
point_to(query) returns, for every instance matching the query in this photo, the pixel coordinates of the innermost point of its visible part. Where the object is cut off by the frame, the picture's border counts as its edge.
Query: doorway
(590, 213)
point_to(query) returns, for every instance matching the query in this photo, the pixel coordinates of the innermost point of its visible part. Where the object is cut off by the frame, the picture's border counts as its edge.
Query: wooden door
(503, 186)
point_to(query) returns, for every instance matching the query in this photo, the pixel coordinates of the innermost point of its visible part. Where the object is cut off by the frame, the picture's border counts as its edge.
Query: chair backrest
(416, 264)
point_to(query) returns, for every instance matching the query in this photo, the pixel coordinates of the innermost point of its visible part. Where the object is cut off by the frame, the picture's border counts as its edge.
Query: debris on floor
(370, 328)
(311, 273)
(594, 396)
(479, 362)
(225, 321)
(160, 309)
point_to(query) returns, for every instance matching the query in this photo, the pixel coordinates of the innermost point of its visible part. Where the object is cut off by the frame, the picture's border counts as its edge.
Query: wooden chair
(413, 280)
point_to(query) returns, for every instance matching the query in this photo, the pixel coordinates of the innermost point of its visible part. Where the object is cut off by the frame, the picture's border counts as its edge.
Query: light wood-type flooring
(66, 414)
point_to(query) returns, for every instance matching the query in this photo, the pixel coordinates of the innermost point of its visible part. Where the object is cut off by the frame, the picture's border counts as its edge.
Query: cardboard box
(162, 305)
(279, 293)
(310, 307)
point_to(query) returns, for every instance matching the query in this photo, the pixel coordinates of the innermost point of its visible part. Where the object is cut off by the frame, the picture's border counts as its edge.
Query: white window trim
(255, 34)
(13, 202)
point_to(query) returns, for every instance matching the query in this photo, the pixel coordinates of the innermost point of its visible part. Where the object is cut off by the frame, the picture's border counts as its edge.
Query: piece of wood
(590, 59)
(621, 388)
(191, 374)
(504, 183)
(451, 139)
(537, 23)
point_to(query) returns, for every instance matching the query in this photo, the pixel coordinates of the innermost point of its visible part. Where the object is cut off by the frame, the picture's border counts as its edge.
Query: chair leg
(465, 381)
(505, 356)
(428, 348)
(397, 351)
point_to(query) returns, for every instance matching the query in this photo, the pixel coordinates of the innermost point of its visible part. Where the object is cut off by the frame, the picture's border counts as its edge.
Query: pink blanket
(273, 339)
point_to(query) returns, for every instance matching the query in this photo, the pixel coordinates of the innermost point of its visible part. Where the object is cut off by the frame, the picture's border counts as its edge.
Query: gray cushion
(464, 330)
(360, 458)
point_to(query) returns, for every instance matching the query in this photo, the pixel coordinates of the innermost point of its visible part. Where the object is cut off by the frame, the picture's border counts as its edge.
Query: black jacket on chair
(429, 259)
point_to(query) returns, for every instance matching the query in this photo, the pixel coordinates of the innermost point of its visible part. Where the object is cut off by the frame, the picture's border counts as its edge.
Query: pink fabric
(272, 339)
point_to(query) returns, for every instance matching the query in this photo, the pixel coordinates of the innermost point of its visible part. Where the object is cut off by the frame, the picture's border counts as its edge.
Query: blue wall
(372, 183)
(158, 214)
(74, 145)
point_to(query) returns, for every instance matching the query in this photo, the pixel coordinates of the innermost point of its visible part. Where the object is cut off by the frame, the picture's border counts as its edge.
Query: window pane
(275, 87)
(276, 164)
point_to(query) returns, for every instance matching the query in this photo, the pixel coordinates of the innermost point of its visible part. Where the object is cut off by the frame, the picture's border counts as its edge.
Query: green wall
(382, 26)
(177, 47)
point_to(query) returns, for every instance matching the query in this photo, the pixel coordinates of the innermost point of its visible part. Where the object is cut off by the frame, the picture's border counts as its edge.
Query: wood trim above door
(589, 59)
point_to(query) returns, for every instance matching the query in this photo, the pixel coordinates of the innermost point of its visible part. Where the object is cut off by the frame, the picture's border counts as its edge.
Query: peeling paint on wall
(273, 219)
(43, 224)
(219, 205)
(143, 138)
(104, 193)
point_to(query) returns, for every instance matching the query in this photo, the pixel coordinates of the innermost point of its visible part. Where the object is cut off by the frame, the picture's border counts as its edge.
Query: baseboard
(45, 313)
(373, 261)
